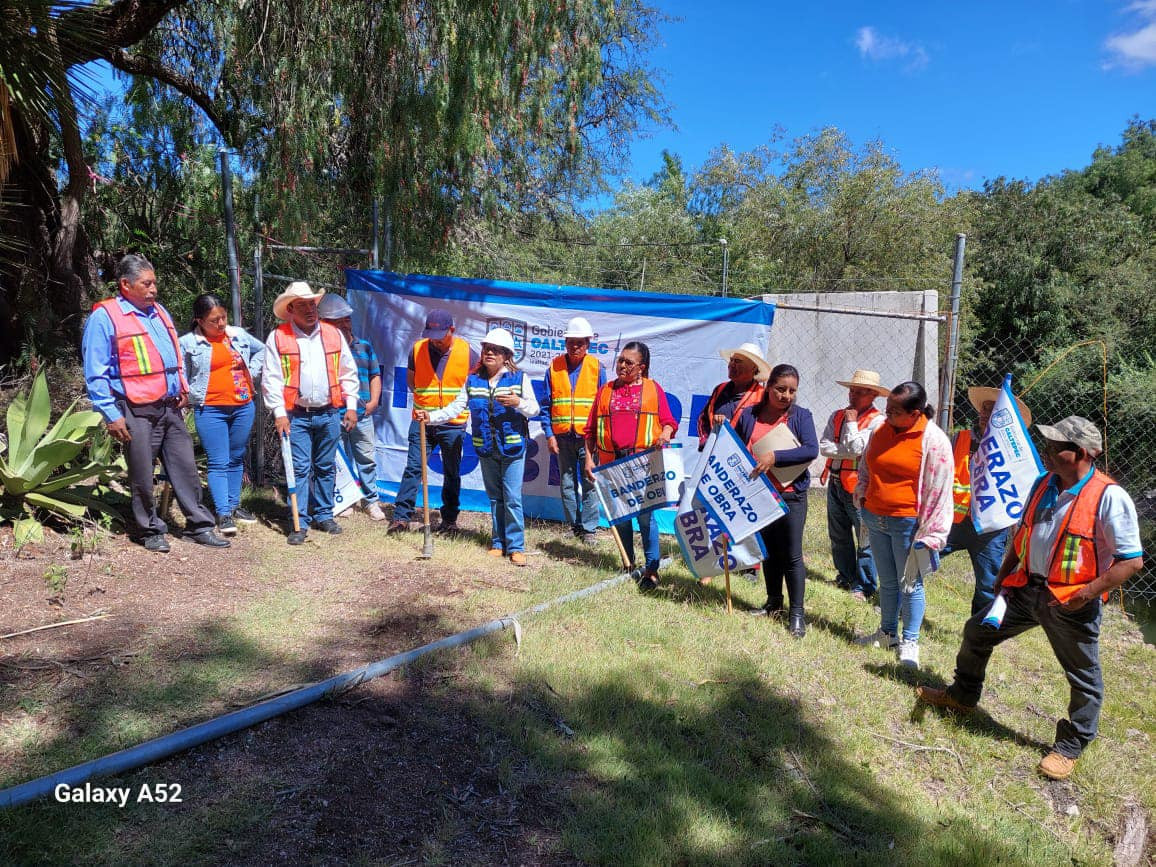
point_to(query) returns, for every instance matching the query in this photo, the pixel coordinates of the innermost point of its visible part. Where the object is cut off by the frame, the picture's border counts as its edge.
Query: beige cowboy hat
(865, 379)
(981, 394)
(298, 291)
(751, 353)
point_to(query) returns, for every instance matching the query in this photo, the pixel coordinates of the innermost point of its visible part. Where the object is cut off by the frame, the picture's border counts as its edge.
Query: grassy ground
(653, 728)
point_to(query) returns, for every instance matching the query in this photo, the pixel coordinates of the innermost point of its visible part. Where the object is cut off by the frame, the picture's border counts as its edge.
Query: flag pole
(726, 558)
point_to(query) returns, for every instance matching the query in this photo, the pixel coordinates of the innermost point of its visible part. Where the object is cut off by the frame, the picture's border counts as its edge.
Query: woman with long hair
(783, 538)
(221, 362)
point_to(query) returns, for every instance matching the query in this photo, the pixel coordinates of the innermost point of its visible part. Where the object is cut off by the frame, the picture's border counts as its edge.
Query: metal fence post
(947, 385)
(259, 333)
(374, 261)
(726, 265)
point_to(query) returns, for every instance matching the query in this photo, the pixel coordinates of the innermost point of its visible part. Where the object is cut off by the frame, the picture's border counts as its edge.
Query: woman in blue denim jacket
(221, 362)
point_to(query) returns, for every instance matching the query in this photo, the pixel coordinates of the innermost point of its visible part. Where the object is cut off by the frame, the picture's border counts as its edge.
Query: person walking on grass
(1078, 539)
(904, 492)
(572, 381)
(309, 379)
(221, 362)
(501, 401)
(843, 441)
(439, 365)
(777, 418)
(361, 441)
(136, 381)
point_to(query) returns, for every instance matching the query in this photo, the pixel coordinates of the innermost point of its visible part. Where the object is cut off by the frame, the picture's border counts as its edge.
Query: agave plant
(42, 469)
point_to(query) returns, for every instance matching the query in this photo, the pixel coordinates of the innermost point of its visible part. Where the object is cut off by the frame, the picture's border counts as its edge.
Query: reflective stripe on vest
(430, 392)
(750, 398)
(495, 427)
(1073, 562)
(140, 366)
(961, 484)
(847, 468)
(290, 354)
(570, 409)
(648, 427)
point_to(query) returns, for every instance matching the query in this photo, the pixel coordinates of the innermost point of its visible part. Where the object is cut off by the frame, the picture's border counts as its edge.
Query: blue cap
(437, 323)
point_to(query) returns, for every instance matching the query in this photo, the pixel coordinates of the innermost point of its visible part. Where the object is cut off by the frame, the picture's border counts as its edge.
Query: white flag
(701, 539)
(640, 483)
(739, 504)
(1004, 468)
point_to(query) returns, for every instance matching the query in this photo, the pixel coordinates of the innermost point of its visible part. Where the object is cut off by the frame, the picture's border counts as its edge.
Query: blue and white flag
(740, 505)
(1004, 467)
(702, 541)
(642, 482)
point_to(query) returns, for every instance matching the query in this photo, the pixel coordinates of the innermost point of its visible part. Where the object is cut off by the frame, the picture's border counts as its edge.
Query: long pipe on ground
(167, 745)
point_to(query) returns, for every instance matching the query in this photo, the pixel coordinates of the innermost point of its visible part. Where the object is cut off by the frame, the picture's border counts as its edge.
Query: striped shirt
(367, 367)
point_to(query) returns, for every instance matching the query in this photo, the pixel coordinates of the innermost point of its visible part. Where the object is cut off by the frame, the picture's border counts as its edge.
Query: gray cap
(1074, 429)
(334, 307)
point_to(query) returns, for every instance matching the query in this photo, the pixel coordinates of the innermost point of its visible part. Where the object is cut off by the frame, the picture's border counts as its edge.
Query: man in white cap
(309, 378)
(1079, 538)
(986, 550)
(572, 383)
(843, 442)
(746, 373)
(361, 441)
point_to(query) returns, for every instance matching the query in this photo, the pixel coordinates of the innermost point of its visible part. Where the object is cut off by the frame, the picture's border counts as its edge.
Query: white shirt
(852, 442)
(1117, 527)
(314, 391)
(528, 407)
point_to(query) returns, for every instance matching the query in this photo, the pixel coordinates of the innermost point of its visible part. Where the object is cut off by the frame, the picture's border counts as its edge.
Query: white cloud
(877, 47)
(1137, 48)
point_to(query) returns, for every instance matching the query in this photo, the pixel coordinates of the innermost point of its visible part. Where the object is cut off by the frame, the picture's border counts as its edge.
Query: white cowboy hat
(751, 353)
(578, 327)
(981, 394)
(864, 379)
(499, 337)
(298, 291)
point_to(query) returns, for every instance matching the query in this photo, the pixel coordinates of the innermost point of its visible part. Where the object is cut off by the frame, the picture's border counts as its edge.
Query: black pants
(784, 542)
(159, 429)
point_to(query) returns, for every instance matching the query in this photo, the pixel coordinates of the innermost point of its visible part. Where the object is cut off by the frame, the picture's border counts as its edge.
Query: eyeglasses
(622, 362)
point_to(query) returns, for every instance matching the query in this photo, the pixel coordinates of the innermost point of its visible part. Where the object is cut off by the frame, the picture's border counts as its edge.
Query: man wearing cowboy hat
(1078, 539)
(985, 549)
(572, 383)
(310, 377)
(746, 373)
(843, 442)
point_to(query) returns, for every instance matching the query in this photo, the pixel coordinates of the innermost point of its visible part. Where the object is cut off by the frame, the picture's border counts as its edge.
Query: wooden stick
(919, 748)
(727, 571)
(621, 547)
(101, 616)
(424, 476)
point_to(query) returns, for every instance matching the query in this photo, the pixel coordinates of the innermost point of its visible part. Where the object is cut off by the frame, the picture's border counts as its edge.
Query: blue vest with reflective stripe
(496, 428)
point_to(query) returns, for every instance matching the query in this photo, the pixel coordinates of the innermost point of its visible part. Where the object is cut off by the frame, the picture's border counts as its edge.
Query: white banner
(640, 483)
(1004, 467)
(684, 333)
(741, 505)
(347, 488)
(701, 539)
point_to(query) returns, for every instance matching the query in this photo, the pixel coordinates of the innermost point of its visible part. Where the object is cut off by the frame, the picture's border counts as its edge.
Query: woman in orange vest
(1079, 538)
(631, 414)
(746, 373)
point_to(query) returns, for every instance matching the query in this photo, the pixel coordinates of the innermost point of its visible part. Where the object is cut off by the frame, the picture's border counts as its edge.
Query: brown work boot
(1056, 766)
(518, 558)
(942, 698)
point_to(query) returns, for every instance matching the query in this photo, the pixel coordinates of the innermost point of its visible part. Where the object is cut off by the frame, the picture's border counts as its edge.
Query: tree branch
(86, 32)
(151, 68)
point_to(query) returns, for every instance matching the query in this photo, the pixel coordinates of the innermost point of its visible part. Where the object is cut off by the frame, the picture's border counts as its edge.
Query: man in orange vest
(985, 549)
(135, 379)
(843, 441)
(439, 365)
(1078, 539)
(310, 385)
(572, 383)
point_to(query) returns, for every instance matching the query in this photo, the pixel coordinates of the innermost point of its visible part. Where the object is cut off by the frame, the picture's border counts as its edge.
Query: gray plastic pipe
(167, 745)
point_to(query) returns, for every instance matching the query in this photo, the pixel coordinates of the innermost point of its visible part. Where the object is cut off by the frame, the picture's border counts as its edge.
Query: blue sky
(976, 90)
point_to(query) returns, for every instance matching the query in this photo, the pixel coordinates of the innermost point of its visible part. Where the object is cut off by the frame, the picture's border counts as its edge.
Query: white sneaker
(878, 638)
(909, 654)
(374, 511)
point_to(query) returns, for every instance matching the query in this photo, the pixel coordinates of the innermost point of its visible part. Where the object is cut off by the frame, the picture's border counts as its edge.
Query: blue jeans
(361, 446)
(580, 509)
(224, 433)
(850, 547)
(1075, 640)
(986, 552)
(503, 479)
(891, 540)
(648, 530)
(313, 438)
(449, 440)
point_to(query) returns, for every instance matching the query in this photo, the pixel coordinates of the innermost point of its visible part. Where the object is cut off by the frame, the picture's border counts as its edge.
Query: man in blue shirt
(135, 379)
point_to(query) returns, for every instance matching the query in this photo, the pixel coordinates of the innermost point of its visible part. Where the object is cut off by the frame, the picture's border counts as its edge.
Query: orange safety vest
(846, 467)
(141, 368)
(750, 398)
(1074, 562)
(569, 409)
(429, 392)
(648, 425)
(290, 352)
(961, 485)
